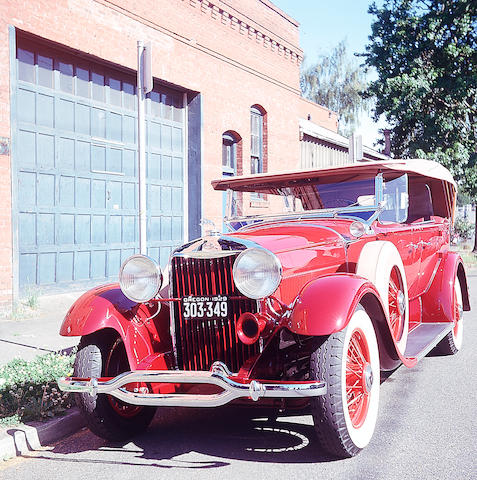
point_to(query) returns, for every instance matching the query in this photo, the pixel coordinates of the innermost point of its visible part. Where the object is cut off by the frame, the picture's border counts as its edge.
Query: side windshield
(395, 200)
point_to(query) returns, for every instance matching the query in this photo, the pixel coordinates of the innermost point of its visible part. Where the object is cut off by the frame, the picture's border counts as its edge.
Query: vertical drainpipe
(141, 149)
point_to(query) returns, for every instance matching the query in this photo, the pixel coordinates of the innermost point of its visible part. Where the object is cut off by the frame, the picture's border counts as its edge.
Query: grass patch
(28, 389)
(465, 251)
(469, 258)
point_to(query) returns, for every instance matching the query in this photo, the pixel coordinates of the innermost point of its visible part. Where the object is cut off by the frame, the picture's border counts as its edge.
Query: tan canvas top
(263, 182)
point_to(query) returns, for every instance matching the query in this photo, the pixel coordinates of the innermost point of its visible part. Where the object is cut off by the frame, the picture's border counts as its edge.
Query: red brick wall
(236, 53)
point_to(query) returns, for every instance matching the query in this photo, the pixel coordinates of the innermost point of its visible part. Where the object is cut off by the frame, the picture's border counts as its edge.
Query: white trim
(460, 330)
(361, 436)
(185, 169)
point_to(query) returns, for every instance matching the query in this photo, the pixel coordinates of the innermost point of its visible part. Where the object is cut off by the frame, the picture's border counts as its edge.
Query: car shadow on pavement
(177, 436)
(227, 433)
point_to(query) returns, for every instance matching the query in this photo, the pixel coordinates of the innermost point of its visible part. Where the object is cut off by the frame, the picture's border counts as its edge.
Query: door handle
(425, 244)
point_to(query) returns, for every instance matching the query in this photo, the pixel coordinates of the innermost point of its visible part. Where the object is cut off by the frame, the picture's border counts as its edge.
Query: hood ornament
(211, 244)
(212, 230)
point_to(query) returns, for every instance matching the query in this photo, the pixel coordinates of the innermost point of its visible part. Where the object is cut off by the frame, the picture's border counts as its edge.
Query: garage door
(75, 169)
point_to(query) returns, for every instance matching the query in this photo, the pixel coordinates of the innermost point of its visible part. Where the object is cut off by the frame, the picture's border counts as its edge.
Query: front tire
(348, 361)
(104, 355)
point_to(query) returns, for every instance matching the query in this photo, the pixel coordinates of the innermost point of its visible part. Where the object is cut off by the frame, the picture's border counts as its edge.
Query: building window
(256, 138)
(229, 153)
(231, 165)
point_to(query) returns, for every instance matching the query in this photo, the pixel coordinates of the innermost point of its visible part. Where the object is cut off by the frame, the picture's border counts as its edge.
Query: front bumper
(233, 387)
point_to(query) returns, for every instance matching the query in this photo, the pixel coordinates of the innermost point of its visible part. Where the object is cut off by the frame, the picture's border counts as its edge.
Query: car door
(431, 237)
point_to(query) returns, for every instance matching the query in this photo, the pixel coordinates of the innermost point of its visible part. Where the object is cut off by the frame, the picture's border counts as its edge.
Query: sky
(323, 24)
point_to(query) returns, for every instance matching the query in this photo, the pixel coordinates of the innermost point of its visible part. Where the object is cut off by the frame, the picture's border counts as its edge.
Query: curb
(20, 439)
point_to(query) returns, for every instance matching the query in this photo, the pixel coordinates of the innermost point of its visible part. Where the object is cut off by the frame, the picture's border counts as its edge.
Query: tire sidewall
(100, 416)
(375, 263)
(458, 339)
(361, 436)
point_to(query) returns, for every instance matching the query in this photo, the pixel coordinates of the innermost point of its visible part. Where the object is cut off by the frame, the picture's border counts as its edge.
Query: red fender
(106, 307)
(325, 305)
(438, 300)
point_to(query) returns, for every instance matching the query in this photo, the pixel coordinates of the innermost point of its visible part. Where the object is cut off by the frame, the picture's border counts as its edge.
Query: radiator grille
(200, 342)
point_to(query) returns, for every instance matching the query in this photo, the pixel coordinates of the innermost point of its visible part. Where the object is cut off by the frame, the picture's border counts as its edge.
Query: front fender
(106, 307)
(325, 305)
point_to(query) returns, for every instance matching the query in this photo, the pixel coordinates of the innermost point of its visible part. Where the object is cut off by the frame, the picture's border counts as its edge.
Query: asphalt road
(426, 430)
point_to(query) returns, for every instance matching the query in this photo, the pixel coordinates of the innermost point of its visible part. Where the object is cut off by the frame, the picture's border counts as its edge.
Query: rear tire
(348, 361)
(103, 355)
(452, 342)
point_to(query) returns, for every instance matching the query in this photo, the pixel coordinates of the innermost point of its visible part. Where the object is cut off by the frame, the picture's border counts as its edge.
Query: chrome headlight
(257, 273)
(140, 278)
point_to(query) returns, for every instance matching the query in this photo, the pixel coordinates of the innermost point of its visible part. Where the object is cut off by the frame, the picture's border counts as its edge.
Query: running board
(424, 338)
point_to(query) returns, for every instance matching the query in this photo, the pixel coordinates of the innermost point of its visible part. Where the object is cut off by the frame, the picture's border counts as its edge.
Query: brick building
(226, 100)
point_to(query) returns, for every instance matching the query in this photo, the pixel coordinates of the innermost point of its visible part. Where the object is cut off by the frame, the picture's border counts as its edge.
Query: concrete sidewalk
(27, 334)
(33, 332)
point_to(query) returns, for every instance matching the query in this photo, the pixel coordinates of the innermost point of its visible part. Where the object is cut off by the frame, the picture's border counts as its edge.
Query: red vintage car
(346, 272)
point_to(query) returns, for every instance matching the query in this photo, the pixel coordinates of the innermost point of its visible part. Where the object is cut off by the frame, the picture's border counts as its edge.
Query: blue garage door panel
(75, 164)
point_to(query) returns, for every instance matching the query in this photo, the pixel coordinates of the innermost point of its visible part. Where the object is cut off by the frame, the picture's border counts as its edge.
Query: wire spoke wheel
(116, 363)
(452, 342)
(458, 308)
(396, 304)
(103, 354)
(381, 263)
(348, 361)
(358, 378)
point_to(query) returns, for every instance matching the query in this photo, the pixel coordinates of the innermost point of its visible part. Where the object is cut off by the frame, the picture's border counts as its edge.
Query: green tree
(337, 82)
(425, 55)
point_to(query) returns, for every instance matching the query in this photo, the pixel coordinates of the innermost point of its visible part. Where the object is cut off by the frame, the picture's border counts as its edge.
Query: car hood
(306, 250)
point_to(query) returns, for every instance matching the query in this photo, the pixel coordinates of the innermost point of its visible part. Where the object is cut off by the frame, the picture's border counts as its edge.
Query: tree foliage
(425, 54)
(337, 82)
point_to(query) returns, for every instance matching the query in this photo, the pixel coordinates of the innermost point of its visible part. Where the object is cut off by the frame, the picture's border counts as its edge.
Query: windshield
(357, 198)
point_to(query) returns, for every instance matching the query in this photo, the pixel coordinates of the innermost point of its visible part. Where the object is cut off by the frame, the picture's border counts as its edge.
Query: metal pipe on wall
(141, 148)
(144, 86)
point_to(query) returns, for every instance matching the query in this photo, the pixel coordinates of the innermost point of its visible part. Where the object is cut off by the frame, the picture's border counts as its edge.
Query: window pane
(66, 77)
(177, 108)
(155, 104)
(255, 146)
(98, 86)
(45, 71)
(225, 155)
(26, 65)
(82, 82)
(166, 106)
(256, 165)
(115, 91)
(129, 96)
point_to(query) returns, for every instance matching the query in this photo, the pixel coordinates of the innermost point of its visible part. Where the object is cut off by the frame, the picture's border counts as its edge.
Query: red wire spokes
(357, 396)
(395, 315)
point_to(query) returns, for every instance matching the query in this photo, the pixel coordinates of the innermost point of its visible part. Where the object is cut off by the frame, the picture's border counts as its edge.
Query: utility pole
(144, 86)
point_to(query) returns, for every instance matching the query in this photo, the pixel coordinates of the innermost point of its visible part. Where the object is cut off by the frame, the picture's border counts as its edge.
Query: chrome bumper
(218, 375)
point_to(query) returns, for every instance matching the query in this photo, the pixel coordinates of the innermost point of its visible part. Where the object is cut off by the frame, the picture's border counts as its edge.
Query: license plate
(205, 307)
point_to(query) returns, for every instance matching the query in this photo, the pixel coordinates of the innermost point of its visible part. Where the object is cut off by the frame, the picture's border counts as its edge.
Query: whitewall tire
(452, 342)
(348, 361)
(381, 264)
